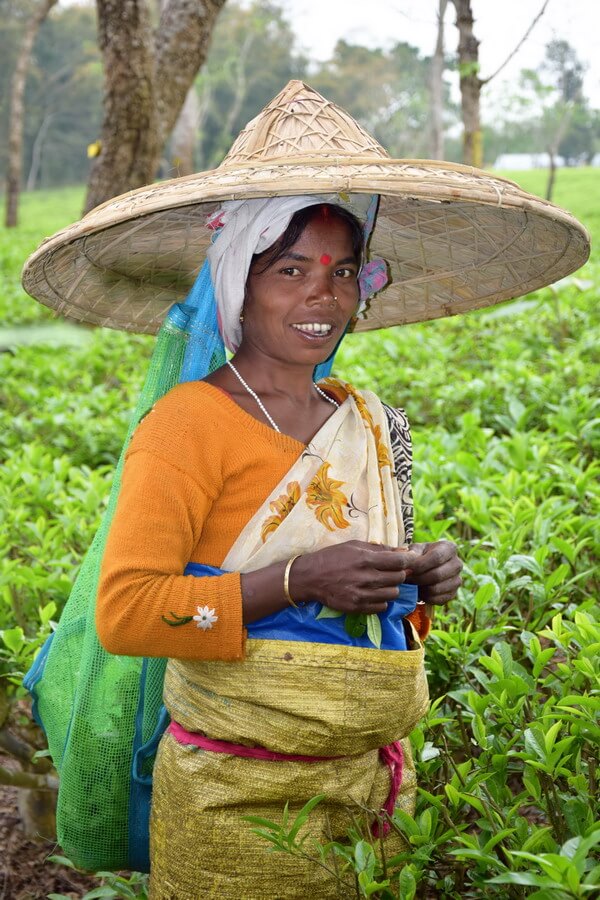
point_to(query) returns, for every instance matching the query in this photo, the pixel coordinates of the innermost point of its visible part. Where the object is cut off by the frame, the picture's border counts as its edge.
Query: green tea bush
(505, 412)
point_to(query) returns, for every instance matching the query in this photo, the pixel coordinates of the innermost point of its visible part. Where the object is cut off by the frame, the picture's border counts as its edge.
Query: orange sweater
(197, 469)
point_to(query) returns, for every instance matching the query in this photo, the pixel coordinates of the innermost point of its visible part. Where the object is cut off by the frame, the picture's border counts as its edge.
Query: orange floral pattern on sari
(281, 508)
(383, 456)
(323, 495)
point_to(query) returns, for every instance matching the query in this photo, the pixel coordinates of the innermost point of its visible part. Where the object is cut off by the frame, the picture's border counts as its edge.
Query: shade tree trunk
(470, 84)
(148, 73)
(470, 81)
(15, 128)
(437, 87)
(184, 135)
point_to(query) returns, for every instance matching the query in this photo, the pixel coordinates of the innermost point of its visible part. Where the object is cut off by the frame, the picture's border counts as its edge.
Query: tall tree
(15, 131)
(63, 92)
(470, 82)
(437, 87)
(565, 72)
(236, 82)
(147, 75)
(185, 135)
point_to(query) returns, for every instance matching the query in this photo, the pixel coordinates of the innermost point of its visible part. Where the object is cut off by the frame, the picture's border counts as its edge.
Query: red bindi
(325, 259)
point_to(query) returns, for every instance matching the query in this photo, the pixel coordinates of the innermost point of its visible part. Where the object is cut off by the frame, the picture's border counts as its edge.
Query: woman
(294, 499)
(195, 493)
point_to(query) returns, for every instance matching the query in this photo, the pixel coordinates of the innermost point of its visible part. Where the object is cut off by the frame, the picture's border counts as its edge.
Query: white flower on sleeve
(205, 618)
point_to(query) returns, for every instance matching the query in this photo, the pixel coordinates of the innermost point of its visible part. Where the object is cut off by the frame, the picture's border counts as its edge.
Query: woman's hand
(353, 577)
(436, 569)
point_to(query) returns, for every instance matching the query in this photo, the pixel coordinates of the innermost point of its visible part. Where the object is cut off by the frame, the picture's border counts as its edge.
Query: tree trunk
(15, 127)
(36, 155)
(470, 84)
(181, 46)
(129, 145)
(437, 88)
(185, 134)
(561, 130)
(36, 782)
(37, 810)
(551, 174)
(240, 87)
(147, 79)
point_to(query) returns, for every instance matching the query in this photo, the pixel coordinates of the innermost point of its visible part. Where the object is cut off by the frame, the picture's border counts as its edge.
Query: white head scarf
(246, 227)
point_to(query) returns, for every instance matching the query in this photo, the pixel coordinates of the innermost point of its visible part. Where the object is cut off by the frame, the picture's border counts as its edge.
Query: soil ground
(25, 873)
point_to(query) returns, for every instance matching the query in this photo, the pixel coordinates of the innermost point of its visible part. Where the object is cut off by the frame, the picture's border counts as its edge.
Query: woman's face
(298, 307)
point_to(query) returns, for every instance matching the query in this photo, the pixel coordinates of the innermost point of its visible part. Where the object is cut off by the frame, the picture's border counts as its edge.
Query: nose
(322, 290)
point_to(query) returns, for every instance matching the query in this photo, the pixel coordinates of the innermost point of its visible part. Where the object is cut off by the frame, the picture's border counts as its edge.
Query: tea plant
(112, 886)
(505, 412)
(506, 427)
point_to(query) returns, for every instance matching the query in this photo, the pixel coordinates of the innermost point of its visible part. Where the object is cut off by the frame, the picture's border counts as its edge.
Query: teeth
(314, 327)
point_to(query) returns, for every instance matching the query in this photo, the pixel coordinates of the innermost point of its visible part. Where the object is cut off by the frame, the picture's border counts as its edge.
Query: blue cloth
(301, 624)
(205, 351)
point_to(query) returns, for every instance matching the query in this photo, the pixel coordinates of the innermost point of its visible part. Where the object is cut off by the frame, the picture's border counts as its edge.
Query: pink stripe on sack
(205, 743)
(392, 755)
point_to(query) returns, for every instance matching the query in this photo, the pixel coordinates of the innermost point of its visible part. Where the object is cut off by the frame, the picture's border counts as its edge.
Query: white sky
(499, 25)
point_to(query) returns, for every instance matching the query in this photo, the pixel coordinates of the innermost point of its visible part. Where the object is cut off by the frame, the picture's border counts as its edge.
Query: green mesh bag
(103, 714)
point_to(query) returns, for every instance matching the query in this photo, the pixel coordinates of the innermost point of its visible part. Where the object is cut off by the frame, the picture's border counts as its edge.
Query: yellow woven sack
(293, 698)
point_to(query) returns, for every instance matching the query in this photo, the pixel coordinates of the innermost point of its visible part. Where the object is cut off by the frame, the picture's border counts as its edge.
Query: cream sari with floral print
(293, 697)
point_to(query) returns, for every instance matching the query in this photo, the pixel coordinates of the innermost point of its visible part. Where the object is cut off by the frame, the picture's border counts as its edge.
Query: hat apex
(300, 124)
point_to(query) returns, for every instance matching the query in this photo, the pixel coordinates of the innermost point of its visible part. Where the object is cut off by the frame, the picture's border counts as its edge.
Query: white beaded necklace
(261, 404)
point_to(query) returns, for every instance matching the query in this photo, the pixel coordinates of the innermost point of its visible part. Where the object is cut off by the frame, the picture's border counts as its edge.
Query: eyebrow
(298, 257)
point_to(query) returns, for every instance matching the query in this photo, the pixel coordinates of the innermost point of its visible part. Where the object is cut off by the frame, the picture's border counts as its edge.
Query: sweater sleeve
(145, 604)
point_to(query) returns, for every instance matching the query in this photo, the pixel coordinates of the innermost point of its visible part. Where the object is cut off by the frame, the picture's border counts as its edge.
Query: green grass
(506, 425)
(576, 190)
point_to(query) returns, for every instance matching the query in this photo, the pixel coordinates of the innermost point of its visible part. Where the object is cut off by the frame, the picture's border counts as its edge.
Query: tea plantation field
(505, 411)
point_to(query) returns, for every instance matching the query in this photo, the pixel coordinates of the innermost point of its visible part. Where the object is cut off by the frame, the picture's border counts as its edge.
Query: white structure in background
(521, 161)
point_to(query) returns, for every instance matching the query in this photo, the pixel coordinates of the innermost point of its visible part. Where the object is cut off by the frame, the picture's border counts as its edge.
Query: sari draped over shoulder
(337, 703)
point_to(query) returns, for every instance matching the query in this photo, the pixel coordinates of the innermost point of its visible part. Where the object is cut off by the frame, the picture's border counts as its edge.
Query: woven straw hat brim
(455, 238)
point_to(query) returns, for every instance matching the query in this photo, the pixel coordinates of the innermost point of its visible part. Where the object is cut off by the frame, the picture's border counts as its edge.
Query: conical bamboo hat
(455, 238)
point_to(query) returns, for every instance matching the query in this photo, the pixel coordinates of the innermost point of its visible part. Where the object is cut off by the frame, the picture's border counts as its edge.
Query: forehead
(326, 237)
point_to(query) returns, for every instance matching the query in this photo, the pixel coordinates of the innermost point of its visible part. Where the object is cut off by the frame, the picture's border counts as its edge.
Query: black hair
(298, 222)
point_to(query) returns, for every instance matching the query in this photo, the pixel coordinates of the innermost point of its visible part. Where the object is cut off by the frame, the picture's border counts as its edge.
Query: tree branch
(15, 747)
(28, 780)
(519, 45)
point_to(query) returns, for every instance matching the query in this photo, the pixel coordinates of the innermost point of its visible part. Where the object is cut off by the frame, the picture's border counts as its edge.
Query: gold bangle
(286, 580)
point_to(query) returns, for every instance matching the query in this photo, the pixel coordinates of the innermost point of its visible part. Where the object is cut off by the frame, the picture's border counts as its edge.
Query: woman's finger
(388, 560)
(371, 608)
(442, 592)
(432, 557)
(373, 594)
(438, 575)
(374, 580)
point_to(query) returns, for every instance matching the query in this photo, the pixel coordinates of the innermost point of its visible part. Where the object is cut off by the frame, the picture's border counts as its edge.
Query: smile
(316, 328)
